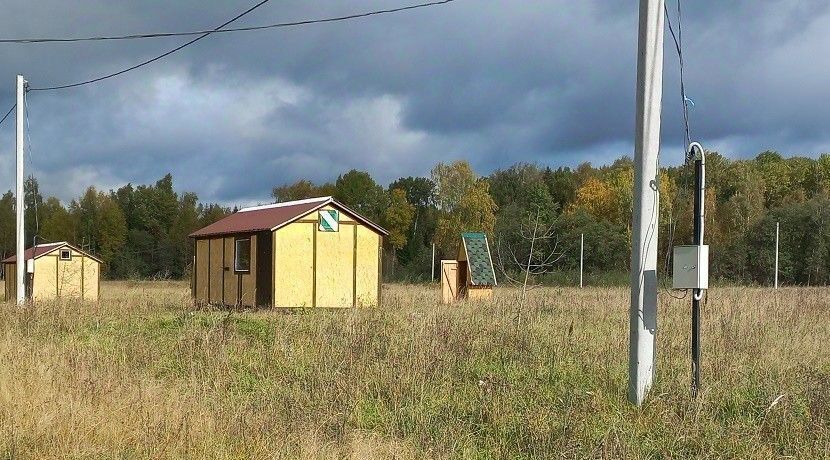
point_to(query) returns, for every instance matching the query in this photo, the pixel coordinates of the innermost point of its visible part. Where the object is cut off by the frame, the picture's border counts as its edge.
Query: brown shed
(306, 253)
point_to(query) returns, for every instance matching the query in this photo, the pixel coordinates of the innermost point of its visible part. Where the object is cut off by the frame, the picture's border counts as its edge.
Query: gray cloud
(490, 81)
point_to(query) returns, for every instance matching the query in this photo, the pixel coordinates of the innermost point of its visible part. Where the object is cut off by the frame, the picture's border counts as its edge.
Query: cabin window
(66, 254)
(242, 255)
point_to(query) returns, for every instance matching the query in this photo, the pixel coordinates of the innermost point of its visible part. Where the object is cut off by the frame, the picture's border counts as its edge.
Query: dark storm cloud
(491, 81)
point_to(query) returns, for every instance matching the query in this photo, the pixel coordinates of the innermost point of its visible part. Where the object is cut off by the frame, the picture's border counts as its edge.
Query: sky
(493, 82)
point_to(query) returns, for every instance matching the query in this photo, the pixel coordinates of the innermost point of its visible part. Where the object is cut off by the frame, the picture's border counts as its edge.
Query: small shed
(307, 253)
(471, 275)
(55, 270)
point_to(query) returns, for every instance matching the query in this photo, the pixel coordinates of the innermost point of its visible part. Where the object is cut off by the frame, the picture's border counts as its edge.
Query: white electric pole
(776, 255)
(581, 256)
(21, 247)
(643, 312)
(433, 263)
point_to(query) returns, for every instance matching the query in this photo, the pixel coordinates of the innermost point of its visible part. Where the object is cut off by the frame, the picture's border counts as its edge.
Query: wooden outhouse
(306, 253)
(55, 270)
(471, 275)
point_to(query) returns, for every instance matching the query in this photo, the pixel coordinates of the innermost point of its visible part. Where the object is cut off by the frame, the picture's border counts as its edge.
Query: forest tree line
(141, 231)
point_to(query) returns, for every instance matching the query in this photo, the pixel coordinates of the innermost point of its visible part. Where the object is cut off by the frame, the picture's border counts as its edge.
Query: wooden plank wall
(215, 280)
(11, 287)
(215, 261)
(201, 272)
(247, 281)
(231, 281)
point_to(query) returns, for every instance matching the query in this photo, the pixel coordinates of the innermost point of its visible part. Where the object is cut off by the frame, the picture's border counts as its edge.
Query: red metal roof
(36, 251)
(42, 249)
(271, 217)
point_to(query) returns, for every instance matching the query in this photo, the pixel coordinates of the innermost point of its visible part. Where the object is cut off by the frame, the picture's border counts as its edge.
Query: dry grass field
(143, 375)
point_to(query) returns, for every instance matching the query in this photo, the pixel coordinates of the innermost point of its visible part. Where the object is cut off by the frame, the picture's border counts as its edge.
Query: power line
(678, 45)
(34, 183)
(8, 113)
(221, 28)
(236, 29)
(149, 61)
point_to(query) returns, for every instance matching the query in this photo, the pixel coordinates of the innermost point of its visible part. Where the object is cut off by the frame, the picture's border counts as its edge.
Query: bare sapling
(532, 252)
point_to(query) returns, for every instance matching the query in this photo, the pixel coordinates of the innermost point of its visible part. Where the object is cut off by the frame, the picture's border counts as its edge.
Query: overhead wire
(34, 183)
(149, 61)
(219, 29)
(14, 106)
(224, 30)
(678, 45)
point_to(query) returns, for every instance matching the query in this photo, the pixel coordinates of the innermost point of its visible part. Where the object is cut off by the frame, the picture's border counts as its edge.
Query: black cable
(237, 29)
(8, 113)
(149, 61)
(34, 183)
(678, 45)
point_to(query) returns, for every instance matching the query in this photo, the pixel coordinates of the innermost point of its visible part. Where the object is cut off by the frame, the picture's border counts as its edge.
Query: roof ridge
(286, 203)
(274, 216)
(39, 250)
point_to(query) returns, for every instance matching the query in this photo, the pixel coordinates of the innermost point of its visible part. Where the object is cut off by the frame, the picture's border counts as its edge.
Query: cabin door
(463, 268)
(449, 281)
(264, 269)
(29, 284)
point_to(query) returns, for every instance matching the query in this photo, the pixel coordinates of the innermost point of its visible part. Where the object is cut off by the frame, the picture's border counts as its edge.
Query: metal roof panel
(272, 217)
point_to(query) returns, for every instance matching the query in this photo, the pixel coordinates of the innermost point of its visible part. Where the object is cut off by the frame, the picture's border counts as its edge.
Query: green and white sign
(329, 219)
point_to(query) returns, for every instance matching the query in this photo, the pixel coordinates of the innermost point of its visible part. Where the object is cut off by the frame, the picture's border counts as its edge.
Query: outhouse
(55, 270)
(471, 275)
(307, 253)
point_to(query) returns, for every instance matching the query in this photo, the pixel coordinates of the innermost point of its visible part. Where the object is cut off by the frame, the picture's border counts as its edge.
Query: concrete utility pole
(643, 319)
(581, 256)
(433, 263)
(21, 246)
(776, 254)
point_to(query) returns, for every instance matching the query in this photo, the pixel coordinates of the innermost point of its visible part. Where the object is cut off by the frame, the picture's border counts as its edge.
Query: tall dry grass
(142, 375)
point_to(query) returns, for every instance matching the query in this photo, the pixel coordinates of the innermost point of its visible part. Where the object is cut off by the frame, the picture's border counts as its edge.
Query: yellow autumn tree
(596, 197)
(608, 196)
(465, 204)
(398, 218)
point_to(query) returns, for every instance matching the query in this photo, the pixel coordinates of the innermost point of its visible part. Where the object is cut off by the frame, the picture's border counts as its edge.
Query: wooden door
(462, 277)
(216, 271)
(449, 281)
(230, 280)
(264, 269)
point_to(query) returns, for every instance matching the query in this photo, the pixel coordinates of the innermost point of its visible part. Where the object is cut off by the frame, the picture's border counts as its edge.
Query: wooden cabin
(55, 270)
(306, 253)
(471, 275)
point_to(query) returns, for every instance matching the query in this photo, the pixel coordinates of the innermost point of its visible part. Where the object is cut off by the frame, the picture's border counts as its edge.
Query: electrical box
(691, 267)
(30, 266)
